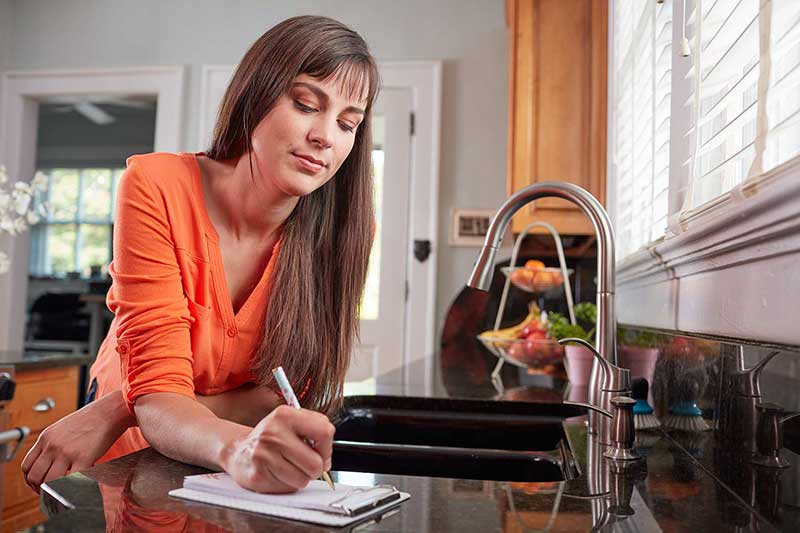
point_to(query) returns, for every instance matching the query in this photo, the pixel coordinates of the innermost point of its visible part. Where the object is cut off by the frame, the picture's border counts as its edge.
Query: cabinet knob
(44, 405)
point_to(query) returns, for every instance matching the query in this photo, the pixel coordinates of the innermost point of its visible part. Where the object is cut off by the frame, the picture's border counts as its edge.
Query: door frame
(20, 94)
(424, 79)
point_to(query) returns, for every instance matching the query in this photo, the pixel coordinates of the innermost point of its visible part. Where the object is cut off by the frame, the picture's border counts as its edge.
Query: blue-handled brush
(685, 416)
(643, 417)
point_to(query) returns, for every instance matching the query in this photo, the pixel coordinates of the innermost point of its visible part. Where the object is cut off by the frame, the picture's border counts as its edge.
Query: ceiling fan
(89, 108)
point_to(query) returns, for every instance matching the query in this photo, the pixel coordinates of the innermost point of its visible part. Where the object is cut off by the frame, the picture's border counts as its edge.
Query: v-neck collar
(218, 276)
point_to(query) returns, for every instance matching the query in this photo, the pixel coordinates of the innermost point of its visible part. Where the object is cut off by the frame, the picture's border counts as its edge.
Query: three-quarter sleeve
(147, 297)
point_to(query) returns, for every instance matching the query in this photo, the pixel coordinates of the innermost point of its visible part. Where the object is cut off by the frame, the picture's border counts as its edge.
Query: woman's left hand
(76, 441)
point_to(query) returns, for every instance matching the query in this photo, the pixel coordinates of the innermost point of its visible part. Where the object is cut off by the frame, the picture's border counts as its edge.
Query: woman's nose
(321, 134)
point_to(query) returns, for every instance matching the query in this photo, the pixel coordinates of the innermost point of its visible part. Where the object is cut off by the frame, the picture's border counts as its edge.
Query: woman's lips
(309, 165)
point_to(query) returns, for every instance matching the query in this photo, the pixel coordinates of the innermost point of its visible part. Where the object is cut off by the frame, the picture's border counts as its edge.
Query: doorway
(82, 144)
(24, 93)
(383, 318)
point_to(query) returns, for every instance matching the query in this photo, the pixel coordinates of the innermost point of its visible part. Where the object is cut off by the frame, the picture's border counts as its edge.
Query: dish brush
(643, 417)
(685, 416)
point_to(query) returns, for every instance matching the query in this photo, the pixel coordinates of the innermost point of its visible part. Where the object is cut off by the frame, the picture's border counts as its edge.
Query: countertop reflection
(669, 490)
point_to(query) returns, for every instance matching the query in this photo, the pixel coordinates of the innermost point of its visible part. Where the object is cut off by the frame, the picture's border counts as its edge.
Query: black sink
(468, 439)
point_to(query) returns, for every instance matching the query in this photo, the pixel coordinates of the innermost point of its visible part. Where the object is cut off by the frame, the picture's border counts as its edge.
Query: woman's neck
(241, 205)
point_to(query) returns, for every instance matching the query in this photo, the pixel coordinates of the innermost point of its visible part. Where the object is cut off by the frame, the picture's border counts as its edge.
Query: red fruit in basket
(530, 329)
(517, 351)
(538, 334)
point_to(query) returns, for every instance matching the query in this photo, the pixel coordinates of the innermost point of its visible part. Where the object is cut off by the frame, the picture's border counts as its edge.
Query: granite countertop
(668, 490)
(29, 360)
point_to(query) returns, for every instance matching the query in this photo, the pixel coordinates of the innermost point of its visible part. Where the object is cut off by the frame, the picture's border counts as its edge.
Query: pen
(288, 395)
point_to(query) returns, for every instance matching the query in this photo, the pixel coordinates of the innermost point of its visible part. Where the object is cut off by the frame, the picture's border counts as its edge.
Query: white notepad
(315, 503)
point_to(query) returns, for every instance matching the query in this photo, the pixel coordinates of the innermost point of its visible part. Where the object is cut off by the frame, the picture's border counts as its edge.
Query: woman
(230, 263)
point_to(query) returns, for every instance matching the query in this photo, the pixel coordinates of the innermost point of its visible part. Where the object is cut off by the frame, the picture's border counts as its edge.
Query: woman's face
(301, 143)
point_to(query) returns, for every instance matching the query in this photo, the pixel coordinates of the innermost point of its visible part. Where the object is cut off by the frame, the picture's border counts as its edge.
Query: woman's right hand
(274, 456)
(76, 441)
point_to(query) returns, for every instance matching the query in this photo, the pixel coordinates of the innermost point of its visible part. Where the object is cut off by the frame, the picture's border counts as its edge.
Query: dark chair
(58, 316)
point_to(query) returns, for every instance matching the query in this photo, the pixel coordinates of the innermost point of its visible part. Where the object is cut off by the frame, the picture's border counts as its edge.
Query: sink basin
(467, 439)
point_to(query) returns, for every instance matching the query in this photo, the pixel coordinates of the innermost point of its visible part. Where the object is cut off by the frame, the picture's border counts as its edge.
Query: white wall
(470, 37)
(6, 20)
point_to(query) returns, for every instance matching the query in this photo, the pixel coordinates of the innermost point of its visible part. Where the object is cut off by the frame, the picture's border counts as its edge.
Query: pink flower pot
(579, 361)
(641, 362)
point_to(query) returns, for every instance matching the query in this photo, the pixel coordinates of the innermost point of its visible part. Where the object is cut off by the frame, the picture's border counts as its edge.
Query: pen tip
(327, 477)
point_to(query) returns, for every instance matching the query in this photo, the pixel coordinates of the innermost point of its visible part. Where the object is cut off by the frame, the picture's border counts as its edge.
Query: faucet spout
(481, 276)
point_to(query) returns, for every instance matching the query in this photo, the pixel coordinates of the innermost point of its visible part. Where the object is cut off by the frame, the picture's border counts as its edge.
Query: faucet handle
(615, 378)
(769, 435)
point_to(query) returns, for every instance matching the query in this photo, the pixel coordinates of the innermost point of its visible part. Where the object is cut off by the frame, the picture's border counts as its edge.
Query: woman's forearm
(245, 405)
(114, 408)
(185, 430)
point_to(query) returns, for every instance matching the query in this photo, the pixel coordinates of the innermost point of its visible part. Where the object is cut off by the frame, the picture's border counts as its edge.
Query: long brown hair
(318, 280)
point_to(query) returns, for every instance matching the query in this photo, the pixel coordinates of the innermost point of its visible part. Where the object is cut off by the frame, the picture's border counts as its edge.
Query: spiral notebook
(315, 503)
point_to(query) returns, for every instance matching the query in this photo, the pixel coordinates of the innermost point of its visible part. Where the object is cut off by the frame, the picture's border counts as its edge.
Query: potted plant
(638, 351)
(579, 358)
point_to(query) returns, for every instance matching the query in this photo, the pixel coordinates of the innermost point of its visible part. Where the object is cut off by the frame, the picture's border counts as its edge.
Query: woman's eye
(302, 107)
(346, 127)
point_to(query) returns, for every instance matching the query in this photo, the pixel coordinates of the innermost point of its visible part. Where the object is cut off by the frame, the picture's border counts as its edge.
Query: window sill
(734, 272)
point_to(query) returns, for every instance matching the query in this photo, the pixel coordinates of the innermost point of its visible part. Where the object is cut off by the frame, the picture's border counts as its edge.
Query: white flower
(3, 174)
(32, 218)
(39, 181)
(20, 225)
(6, 224)
(5, 200)
(5, 264)
(22, 202)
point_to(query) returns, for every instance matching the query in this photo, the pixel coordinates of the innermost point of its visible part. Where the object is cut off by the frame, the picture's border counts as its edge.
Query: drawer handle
(44, 405)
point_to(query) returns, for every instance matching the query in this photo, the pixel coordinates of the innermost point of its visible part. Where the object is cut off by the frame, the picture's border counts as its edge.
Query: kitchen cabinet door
(557, 104)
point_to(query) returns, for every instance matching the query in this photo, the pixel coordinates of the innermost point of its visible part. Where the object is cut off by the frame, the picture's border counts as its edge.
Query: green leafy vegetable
(586, 316)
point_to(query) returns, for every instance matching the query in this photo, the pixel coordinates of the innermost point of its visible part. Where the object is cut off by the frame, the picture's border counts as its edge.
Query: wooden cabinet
(42, 396)
(557, 104)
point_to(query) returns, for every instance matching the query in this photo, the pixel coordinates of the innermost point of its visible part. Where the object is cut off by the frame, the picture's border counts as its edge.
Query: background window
(76, 234)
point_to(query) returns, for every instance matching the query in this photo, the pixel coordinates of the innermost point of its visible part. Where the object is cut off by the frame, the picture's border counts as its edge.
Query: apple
(530, 328)
(517, 351)
(535, 335)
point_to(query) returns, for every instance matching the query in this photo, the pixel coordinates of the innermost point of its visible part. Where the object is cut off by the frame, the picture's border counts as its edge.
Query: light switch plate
(468, 227)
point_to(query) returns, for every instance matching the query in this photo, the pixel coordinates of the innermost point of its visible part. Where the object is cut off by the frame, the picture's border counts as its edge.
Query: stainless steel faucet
(601, 389)
(739, 397)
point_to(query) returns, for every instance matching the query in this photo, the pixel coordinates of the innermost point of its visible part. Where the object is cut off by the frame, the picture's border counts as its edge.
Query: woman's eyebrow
(322, 95)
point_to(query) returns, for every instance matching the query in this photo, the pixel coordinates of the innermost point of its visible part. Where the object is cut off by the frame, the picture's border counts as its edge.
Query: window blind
(745, 97)
(782, 136)
(642, 59)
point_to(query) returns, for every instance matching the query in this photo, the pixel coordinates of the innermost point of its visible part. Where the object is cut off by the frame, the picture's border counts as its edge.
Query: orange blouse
(174, 328)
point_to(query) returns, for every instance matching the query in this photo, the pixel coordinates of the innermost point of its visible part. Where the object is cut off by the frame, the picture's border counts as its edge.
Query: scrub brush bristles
(685, 416)
(643, 417)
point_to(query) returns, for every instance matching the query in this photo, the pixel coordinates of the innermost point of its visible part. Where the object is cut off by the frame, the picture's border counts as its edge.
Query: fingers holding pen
(278, 454)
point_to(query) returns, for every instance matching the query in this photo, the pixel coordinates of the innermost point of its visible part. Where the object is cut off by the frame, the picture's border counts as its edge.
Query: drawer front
(37, 404)
(16, 491)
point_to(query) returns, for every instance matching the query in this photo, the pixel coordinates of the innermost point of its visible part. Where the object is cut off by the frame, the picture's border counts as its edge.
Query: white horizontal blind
(642, 62)
(747, 97)
(783, 92)
(728, 57)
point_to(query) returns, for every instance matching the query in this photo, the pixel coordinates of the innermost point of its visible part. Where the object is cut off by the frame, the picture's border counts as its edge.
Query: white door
(383, 317)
